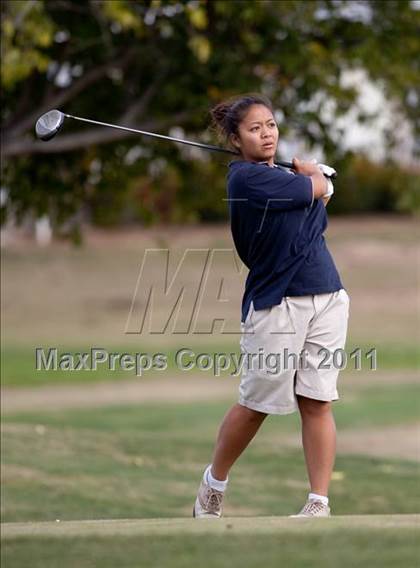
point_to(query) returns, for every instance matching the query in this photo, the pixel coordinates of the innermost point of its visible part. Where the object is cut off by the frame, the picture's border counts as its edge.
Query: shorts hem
(267, 409)
(317, 395)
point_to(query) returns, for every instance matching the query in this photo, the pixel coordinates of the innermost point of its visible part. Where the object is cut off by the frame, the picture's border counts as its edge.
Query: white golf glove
(328, 173)
(330, 187)
(327, 170)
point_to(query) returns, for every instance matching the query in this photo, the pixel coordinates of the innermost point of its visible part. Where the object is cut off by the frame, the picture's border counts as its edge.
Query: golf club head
(49, 124)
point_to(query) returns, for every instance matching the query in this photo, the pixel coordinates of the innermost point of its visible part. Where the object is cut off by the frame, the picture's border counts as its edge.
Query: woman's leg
(319, 442)
(239, 426)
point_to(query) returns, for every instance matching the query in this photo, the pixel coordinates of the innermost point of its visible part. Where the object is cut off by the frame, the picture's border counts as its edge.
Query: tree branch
(138, 108)
(23, 104)
(75, 88)
(77, 140)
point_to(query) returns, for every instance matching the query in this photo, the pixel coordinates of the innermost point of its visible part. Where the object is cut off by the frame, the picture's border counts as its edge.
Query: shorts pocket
(258, 316)
(254, 318)
(248, 315)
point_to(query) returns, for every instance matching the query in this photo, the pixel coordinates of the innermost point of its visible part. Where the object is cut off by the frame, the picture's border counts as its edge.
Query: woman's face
(258, 135)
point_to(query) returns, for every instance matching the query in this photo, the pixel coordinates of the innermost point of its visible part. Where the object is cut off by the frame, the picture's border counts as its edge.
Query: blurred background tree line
(160, 66)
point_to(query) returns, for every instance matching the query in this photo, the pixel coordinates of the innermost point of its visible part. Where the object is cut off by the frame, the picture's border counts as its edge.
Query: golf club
(50, 123)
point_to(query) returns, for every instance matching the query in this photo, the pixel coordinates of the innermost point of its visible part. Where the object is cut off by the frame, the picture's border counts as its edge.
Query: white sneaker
(208, 503)
(314, 508)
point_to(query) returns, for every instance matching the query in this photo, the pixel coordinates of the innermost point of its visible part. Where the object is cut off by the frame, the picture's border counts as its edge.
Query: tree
(158, 64)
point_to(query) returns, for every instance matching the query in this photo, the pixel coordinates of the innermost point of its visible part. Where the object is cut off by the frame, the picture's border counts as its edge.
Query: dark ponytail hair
(227, 115)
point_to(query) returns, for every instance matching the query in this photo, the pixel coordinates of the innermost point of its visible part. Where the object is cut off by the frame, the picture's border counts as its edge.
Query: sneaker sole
(209, 516)
(308, 517)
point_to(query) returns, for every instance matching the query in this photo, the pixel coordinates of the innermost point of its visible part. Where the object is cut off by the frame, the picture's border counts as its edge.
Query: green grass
(18, 362)
(380, 405)
(145, 461)
(384, 548)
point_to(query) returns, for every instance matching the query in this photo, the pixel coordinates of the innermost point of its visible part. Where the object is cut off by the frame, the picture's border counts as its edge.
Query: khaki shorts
(295, 347)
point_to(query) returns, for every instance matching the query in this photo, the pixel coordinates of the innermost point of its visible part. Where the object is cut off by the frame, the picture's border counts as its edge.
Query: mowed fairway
(104, 472)
(387, 541)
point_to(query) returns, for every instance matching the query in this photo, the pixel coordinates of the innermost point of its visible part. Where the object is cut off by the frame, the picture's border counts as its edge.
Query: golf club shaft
(161, 136)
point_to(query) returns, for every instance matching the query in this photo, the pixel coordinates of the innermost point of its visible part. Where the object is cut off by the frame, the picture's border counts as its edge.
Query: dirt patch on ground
(401, 441)
(140, 391)
(173, 389)
(63, 295)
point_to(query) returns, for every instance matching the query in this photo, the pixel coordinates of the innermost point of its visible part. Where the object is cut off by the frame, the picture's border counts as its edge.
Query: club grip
(290, 166)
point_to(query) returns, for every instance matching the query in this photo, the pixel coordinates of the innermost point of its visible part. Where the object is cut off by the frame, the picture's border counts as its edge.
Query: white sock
(322, 498)
(214, 483)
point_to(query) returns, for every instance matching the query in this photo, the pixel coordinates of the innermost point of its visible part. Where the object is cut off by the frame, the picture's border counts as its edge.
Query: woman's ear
(235, 141)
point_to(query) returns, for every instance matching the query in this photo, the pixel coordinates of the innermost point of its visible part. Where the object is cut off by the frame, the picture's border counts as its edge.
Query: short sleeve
(275, 189)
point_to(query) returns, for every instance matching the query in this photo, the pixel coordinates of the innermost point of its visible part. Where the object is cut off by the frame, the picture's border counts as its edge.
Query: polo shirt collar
(243, 161)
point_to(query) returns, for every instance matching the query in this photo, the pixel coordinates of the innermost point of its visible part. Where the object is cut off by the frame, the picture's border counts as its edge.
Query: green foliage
(157, 64)
(55, 186)
(27, 31)
(365, 186)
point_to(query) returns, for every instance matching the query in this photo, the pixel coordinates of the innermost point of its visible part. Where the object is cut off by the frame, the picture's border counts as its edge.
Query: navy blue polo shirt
(277, 228)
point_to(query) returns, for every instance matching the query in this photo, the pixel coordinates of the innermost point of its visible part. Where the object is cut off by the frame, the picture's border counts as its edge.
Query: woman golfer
(294, 304)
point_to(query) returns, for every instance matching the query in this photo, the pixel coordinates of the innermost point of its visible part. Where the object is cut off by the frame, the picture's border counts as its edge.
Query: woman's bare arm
(319, 183)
